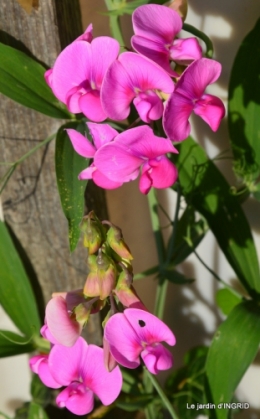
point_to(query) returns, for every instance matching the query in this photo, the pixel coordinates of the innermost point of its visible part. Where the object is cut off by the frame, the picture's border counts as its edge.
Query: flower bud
(102, 277)
(126, 293)
(116, 242)
(92, 229)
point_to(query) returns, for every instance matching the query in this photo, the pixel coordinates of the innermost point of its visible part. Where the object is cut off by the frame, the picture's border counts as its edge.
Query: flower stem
(209, 46)
(162, 395)
(115, 24)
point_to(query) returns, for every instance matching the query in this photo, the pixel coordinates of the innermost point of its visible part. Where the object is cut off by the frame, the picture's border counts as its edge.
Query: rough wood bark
(30, 201)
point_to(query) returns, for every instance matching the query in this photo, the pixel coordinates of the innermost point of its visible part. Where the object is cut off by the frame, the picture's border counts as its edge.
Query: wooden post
(30, 202)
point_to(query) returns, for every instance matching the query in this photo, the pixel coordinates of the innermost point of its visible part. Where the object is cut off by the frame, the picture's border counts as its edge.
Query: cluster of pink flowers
(90, 77)
(131, 334)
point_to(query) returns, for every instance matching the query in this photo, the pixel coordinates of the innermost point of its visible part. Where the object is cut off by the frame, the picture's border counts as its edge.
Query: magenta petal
(46, 334)
(76, 398)
(148, 327)
(176, 117)
(66, 363)
(184, 51)
(87, 35)
(104, 182)
(46, 375)
(104, 51)
(106, 385)
(211, 110)
(125, 344)
(101, 133)
(145, 182)
(72, 68)
(155, 22)
(117, 92)
(154, 51)
(90, 105)
(72, 99)
(157, 358)
(197, 77)
(149, 107)
(142, 142)
(87, 173)
(61, 326)
(116, 163)
(81, 144)
(48, 77)
(163, 172)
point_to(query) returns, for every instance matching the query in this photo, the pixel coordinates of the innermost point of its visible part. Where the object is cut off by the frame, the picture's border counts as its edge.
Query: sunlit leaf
(233, 348)
(227, 300)
(68, 166)
(22, 79)
(36, 412)
(16, 295)
(13, 344)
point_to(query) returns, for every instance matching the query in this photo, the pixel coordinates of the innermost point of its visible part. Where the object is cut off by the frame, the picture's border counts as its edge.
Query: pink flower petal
(149, 106)
(163, 173)
(176, 117)
(104, 182)
(130, 75)
(116, 163)
(87, 35)
(48, 77)
(148, 327)
(125, 344)
(66, 363)
(211, 110)
(104, 51)
(197, 77)
(61, 326)
(72, 98)
(106, 385)
(142, 142)
(81, 144)
(101, 133)
(156, 52)
(155, 22)
(39, 365)
(77, 399)
(184, 51)
(90, 105)
(157, 358)
(87, 173)
(72, 68)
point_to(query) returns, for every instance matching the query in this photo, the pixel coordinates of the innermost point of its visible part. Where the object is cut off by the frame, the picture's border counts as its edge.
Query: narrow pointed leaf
(227, 300)
(13, 344)
(16, 295)
(244, 108)
(36, 412)
(22, 79)
(234, 347)
(205, 188)
(68, 166)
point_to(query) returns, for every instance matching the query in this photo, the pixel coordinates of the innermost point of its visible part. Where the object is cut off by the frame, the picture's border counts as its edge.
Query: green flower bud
(116, 242)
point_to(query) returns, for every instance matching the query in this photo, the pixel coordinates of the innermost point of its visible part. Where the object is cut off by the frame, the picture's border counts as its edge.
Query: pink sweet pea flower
(39, 365)
(101, 134)
(189, 96)
(155, 29)
(86, 36)
(135, 78)
(78, 73)
(136, 333)
(121, 159)
(81, 370)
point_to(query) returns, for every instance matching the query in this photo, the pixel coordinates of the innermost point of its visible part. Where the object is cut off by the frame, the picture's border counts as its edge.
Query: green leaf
(233, 348)
(13, 344)
(187, 227)
(244, 108)
(186, 385)
(36, 412)
(40, 393)
(227, 300)
(68, 166)
(205, 188)
(132, 403)
(16, 295)
(22, 79)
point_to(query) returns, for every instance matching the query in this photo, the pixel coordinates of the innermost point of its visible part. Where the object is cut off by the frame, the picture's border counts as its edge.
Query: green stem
(42, 345)
(162, 395)
(176, 217)
(115, 24)
(153, 207)
(8, 174)
(147, 272)
(209, 46)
